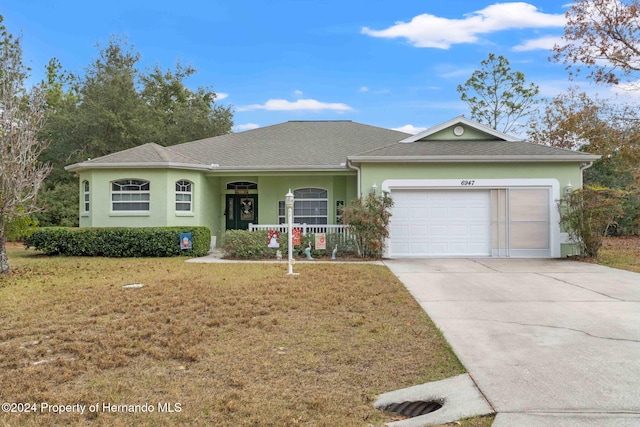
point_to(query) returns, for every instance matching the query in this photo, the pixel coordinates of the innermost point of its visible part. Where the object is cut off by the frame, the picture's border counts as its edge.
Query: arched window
(310, 207)
(86, 202)
(130, 195)
(184, 195)
(242, 185)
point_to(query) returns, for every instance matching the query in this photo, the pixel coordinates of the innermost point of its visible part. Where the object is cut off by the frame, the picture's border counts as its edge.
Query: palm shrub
(586, 214)
(368, 220)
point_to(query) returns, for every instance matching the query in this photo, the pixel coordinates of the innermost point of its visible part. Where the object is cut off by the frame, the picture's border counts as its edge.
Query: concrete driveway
(548, 342)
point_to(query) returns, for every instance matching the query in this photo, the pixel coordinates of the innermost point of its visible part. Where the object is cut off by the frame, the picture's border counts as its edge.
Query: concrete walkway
(548, 342)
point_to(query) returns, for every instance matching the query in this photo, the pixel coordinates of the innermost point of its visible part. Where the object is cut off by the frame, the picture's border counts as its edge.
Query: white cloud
(433, 31)
(221, 95)
(297, 93)
(410, 129)
(247, 126)
(365, 89)
(300, 104)
(545, 43)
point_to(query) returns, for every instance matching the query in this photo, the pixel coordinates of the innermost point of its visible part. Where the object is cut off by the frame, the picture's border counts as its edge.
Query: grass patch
(621, 252)
(233, 344)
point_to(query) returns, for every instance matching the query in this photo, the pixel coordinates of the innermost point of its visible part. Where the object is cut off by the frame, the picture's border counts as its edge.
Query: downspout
(582, 169)
(356, 168)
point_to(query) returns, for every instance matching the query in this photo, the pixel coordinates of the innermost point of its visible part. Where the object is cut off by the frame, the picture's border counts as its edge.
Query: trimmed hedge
(118, 242)
(244, 244)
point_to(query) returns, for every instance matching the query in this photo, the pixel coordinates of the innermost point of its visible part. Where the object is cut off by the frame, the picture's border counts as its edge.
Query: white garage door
(440, 223)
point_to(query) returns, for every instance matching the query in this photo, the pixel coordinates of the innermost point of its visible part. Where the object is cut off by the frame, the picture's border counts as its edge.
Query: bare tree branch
(22, 115)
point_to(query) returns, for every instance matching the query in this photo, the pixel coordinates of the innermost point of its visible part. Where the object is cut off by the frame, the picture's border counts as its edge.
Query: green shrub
(586, 214)
(244, 244)
(629, 223)
(20, 228)
(369, 221)
(119, 242)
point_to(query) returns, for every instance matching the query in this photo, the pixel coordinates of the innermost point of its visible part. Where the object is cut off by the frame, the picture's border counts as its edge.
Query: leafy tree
(603, 36)
(574, 120)
(570, 120)
(114, 106)
(59, 205)
(20, 228)
(368, 220)
(179, 114)
(111, 115)
(22, 113)
(497, 96)
(588, 213)
(59, 129)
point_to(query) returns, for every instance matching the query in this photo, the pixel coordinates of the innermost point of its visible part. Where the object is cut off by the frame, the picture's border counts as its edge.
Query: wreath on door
(246, 209)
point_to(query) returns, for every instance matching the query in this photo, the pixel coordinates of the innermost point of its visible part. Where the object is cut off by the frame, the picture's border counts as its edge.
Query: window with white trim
(242, 185)
(86, 202)
(130, 195)
(310, 206)
(184, 195)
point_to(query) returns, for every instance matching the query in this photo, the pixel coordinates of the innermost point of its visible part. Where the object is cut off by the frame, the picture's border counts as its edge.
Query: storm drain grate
(414, 409)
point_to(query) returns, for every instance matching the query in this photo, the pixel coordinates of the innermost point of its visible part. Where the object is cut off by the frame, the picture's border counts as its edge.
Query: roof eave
(76, 167)
(280, 168)
(474, 159)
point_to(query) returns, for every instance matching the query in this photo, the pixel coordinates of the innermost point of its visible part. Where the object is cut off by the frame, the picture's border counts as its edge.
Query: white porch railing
(340, 229)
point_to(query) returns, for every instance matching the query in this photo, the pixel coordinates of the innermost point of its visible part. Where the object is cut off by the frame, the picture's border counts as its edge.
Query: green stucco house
(460, 188)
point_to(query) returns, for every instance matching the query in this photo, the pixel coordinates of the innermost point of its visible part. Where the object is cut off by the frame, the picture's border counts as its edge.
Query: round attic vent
(458, 130)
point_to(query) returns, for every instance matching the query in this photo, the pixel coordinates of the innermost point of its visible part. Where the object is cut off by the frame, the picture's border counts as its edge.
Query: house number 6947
(467, 182)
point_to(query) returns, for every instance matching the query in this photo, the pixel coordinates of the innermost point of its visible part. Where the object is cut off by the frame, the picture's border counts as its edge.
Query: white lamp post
(288, 201)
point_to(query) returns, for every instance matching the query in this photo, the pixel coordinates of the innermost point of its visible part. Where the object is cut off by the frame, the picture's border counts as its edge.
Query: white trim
(129, 213)
(182, 192)
(77, 167)
(299, 200)
(86, 197)
(119, 182)
(138, 165)
(467, 183)
(558, 158)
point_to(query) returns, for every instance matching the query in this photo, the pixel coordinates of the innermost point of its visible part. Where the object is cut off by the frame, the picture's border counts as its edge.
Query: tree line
(114, 105)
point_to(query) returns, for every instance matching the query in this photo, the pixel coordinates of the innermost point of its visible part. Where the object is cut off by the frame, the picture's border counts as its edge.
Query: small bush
(246, 244)
(118, 242)
(369, 221)
(588, 213)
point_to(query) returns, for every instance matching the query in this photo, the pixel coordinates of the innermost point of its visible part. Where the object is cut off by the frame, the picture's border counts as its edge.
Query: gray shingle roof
(291, 144)
(147, 153)
(465, 149)
(300, 145)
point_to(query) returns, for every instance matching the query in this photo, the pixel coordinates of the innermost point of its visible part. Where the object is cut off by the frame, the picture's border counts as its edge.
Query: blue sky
(394, 64)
